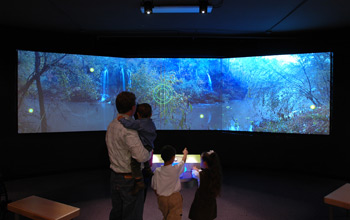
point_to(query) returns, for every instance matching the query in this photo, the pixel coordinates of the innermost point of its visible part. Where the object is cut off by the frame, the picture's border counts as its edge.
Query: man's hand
(120, 117)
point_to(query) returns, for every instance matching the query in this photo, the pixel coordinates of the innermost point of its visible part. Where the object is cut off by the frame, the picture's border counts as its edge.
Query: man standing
(122, 144)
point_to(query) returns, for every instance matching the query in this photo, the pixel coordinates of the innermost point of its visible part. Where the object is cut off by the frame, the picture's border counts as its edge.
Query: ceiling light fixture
(203, 7)
(147, 7)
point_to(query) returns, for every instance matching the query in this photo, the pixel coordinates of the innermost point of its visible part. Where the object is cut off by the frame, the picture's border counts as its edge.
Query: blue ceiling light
(149, 8)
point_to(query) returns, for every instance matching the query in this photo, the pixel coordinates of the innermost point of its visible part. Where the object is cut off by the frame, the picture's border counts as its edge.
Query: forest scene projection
(70, 92)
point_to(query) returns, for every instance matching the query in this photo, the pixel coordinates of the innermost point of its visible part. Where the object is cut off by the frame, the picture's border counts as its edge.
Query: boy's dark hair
(145, 110)
(125, 101)
(167, 153)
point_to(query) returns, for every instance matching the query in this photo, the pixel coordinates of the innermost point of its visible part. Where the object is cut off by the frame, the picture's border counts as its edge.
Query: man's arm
(137, 150)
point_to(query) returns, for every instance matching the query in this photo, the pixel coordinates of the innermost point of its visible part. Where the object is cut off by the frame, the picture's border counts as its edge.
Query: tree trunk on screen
(40, 93)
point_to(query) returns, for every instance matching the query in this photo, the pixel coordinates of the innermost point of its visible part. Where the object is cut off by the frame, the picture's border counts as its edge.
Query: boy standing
(167, 185)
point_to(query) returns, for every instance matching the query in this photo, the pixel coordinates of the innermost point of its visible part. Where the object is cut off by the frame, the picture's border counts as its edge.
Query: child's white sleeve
(180, 167)
(195, 174)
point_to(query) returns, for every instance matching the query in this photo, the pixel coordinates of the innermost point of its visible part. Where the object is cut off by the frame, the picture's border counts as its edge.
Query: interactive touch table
(192, 160)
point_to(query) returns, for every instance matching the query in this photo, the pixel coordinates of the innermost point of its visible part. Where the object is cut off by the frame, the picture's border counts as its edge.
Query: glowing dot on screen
(92, 69)
(30, 110)
(312, 107)
(201, 116)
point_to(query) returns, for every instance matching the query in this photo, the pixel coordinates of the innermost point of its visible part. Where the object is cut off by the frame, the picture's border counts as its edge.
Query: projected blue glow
(282, 93)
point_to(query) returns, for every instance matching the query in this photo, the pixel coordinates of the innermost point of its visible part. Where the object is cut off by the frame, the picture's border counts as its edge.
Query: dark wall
(24, 155)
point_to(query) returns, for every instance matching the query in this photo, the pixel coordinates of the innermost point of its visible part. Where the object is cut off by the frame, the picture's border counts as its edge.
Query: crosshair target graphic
(163, 94)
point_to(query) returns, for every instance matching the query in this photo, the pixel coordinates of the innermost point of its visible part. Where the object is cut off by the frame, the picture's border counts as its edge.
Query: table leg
(16, 216)
(330, 213)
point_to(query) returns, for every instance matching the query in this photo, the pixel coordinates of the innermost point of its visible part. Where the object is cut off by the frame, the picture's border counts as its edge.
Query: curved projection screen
(280, 94)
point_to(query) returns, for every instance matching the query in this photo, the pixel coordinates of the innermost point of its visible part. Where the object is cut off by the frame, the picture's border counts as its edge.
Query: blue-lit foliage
(265, 94)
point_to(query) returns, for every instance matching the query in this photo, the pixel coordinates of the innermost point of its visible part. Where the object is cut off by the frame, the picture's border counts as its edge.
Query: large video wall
(280, 94)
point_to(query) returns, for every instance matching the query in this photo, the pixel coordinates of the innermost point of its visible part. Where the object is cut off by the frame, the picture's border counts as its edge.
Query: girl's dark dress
(204, 204)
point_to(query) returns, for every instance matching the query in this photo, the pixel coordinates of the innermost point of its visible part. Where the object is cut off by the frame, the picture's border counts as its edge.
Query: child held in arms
(167, 185)
(209, 180)
(147, 133)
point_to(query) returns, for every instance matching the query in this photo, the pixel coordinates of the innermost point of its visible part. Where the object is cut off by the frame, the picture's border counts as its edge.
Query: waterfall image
(123, 78)
(104, 94)
(129, 77)
(276, 94)
(209, 82)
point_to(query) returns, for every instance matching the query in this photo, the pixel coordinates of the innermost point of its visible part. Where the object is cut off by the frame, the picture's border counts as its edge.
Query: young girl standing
(209, 180)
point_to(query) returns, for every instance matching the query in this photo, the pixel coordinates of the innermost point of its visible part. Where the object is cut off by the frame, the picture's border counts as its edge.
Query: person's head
(211, 161)
(144, 110)
(125, 102)
(168, 153)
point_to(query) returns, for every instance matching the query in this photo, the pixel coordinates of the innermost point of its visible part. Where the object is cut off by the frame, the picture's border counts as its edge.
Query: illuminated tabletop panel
(192, 160)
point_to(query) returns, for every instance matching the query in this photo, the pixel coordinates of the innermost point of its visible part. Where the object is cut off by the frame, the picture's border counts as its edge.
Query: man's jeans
(125, 206)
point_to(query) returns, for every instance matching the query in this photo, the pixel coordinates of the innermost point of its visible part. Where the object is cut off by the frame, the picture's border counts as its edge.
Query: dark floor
(246, 195)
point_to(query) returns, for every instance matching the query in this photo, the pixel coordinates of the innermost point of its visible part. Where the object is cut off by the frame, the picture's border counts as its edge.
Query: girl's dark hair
(214, 167)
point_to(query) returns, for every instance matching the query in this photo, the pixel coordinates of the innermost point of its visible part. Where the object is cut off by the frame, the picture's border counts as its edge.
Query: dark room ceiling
(246, 18)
